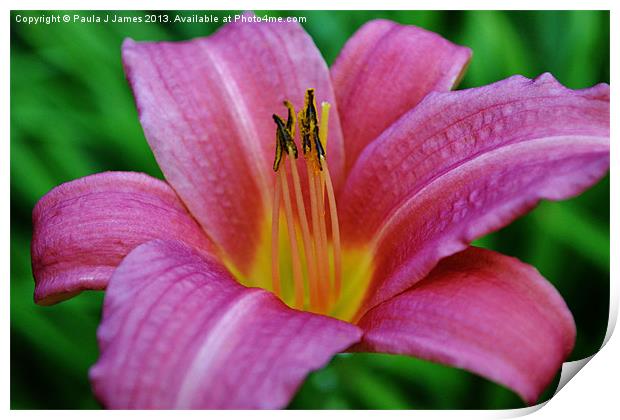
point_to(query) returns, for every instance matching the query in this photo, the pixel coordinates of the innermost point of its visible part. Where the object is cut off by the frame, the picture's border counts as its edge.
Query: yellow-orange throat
(306, 262)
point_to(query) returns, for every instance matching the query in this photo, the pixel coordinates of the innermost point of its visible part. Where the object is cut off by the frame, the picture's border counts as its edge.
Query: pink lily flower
(229, 282)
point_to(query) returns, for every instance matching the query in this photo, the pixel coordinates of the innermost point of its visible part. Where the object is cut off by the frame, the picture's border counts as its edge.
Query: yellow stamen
(322, 237)
(315, 232)
(325, 106)
(309, 128)
(305, 233)
(333, 214)
(290, 121)
(275, 239)
(297, 273)
(331, 198)
(324, 288)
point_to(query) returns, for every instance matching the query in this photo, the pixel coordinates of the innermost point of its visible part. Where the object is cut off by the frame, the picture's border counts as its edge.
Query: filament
(275, 239)
(333, 215)
(322, 237)
(297, 273)
(322, 298)
(305, 233)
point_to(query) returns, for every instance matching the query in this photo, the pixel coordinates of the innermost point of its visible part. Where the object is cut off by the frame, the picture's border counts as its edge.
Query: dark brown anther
(309, 128)
(284, 142)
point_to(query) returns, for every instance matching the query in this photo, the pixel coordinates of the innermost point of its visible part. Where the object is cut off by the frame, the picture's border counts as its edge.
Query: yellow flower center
(306, 263)
(311, 269)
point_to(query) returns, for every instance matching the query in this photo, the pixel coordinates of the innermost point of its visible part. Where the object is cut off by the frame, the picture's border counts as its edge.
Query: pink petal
(384, 70)
(206, 107)
(179, 332)
(84, 228)
(463, 164)
(481, 311)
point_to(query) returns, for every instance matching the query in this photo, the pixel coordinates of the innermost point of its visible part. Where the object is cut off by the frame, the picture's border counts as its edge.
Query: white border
(592, 394)
(314, 4)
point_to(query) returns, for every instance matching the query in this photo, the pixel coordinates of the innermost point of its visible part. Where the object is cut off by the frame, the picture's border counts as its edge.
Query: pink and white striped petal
(483, 312)
(179, 332)
(84, 228)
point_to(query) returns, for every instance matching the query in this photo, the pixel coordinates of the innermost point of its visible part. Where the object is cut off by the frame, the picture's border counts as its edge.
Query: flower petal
(384, 70)
(467, 163)
(481, 311)
(84, 228)
(179, 332)
(206, 107)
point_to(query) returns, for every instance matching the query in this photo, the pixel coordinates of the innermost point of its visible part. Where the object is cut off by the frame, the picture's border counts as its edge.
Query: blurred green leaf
(568, 225)
(499, 49)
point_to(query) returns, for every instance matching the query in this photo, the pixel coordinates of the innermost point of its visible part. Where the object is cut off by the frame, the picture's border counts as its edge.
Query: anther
(284, 141)
(309, 128)
(290, 120)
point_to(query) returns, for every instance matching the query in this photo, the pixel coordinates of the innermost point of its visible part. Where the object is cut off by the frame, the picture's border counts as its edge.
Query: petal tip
(516, 329)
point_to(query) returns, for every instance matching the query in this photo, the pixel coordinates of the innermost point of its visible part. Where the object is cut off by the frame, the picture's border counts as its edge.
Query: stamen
(331, 198)
(325, 106)
(322, 236)
(305, 233)
(333, 215)
(323, 292)
(297, 273)
(301, 211)
(307, 118)
(308, 126)
(322, 298)
(275, 238)
(290, 120)
(285, 143)
(284, 140)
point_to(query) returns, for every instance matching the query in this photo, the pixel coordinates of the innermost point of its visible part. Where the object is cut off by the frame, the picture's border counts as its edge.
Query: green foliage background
(72, 114)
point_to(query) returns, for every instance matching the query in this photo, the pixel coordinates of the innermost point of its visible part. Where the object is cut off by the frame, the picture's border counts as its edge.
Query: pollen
(316, 256)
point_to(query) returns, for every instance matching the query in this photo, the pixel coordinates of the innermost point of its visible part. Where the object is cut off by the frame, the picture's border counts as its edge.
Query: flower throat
(311, 268)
